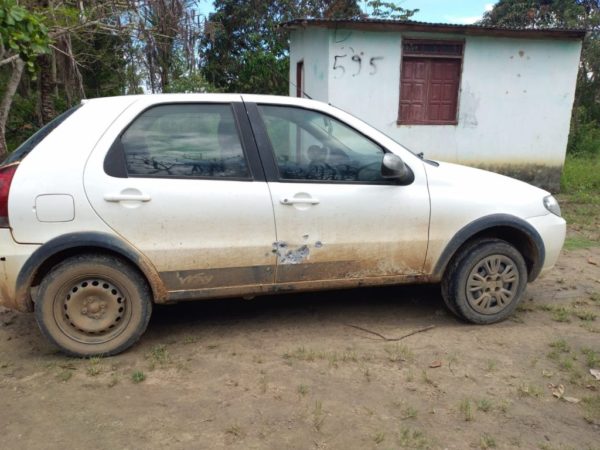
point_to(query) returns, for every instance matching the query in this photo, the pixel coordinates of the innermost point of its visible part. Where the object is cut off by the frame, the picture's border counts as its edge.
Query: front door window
(312, 146)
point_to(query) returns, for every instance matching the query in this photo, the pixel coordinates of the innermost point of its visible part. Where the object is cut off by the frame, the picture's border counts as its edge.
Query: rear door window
(185, 141)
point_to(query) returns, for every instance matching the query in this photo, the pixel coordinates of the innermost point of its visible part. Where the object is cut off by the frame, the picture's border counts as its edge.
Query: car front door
(181, 185)
(336, 217)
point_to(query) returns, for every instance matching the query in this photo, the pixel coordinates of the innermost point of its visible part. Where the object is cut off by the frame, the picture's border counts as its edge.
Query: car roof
(212, 97)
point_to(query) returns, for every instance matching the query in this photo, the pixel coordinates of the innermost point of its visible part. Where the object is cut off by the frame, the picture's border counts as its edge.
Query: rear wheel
(93, 305)
(484, 283)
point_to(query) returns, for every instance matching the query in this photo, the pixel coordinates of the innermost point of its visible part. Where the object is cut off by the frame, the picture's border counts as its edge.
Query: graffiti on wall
(348, 61)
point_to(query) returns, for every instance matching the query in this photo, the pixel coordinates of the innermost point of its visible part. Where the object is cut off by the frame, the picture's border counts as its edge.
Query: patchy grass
(579, 242)
(413, 439)
(580, 178)
(409, 413)
(504, 406)
(491, 365)
(114, 380)
(302, 390)
(466, 410)
(263, 384)
(580, 201)
(564, 314)
(64, 375)
(158, 356)
(487, 442)
(561, 314)
(379, 437)
(310, 355)
(568, 361)
(591, 407)
(586, 316)
(592, 358)
(138, 376)
(94, 367)
(484, 405)
(235, 431)
(398, 353)
(427, 380)
(587, 326)
(529, 390)
(560, 346)
(318, 416)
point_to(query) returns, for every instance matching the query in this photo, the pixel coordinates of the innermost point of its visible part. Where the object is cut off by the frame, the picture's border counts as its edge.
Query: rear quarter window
(26, 147)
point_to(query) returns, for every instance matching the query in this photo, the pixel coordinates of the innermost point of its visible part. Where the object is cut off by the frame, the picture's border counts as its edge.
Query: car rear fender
(54, 251)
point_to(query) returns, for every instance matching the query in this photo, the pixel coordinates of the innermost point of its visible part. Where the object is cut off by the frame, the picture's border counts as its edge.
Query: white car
(129, 201)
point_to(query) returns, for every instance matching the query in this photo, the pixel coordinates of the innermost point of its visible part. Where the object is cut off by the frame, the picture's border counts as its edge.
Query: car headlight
(552, 205)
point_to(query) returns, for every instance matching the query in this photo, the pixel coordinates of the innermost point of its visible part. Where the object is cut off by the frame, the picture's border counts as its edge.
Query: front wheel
(485, 282)
(93, 305)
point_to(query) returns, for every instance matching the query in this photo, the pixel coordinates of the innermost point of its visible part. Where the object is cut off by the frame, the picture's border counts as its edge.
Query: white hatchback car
(124, 202)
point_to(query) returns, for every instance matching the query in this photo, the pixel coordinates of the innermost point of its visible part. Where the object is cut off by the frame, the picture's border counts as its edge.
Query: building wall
(515, 98)
(311, 47)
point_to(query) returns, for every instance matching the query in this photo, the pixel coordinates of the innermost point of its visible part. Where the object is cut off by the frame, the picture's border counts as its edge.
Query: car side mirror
(392, 167)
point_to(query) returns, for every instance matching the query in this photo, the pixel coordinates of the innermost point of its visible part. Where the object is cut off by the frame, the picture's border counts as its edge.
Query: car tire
(485, 281)
(93, 305)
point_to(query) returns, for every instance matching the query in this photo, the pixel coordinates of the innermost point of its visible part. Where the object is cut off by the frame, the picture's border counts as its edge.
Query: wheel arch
(58, 249)
(511, 229)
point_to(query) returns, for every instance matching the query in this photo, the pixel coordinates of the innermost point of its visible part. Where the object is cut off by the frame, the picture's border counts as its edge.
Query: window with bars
(430, 82)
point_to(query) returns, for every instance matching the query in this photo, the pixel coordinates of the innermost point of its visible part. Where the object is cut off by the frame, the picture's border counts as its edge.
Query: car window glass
(26, 147)
(186, 140)
(309, 145)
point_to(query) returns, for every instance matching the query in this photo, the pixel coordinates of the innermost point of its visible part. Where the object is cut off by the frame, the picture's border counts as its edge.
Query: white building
(495, 98)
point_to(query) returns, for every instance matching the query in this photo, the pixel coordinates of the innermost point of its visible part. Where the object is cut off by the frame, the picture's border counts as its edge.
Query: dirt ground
(288, 372)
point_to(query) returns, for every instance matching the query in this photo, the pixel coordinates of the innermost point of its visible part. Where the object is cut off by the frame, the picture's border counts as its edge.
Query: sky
(447, 11)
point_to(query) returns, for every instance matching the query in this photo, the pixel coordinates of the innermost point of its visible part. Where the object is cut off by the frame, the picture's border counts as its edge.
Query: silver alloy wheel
(492, 284)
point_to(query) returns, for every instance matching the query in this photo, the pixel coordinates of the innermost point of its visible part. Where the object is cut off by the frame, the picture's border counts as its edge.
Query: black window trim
(115, 164)
(267, 153)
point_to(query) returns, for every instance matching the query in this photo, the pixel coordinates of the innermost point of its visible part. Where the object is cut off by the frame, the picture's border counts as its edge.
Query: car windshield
(23, 150)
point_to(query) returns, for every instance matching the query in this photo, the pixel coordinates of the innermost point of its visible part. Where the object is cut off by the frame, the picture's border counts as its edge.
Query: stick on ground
(420, 330)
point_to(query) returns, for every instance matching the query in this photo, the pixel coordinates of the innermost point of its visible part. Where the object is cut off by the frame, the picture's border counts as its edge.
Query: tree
(389, 10)
(165, 39)
(23, 37)
(243, 49)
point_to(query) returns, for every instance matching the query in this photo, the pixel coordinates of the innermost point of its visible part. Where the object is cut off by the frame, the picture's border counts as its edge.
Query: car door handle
(299, 201)
(127, 198)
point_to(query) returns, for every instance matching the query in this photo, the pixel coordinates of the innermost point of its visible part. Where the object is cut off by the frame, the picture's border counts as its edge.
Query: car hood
(488, 190)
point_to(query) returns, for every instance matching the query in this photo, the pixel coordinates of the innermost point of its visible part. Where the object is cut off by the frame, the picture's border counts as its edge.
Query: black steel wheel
(93, 305)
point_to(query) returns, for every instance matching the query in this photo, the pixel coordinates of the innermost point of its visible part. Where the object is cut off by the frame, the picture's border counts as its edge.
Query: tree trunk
(46, 88)
(9, 94)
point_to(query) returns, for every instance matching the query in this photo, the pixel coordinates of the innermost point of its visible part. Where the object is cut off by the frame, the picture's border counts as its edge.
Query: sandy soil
(289, 372)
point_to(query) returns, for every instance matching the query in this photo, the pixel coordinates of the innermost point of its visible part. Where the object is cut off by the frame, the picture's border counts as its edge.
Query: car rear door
(182, 182)
(336, 217)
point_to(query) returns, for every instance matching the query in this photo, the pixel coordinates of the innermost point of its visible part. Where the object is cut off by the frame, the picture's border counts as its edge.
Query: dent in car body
(287, 256)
